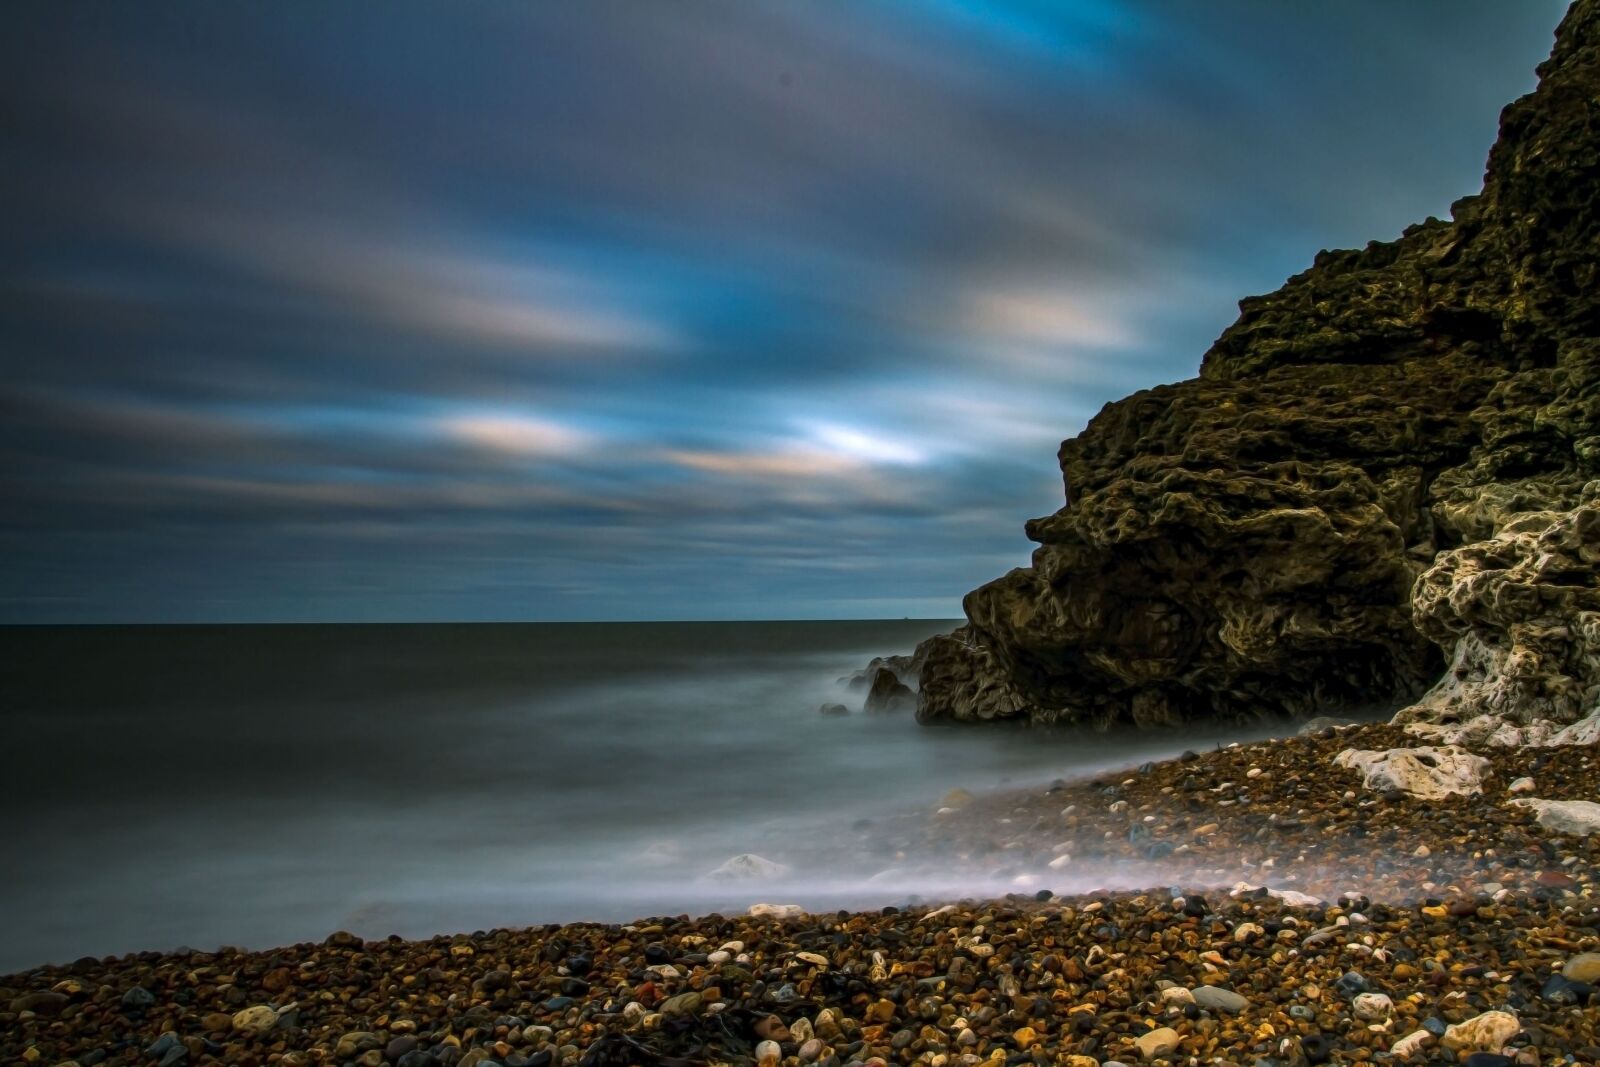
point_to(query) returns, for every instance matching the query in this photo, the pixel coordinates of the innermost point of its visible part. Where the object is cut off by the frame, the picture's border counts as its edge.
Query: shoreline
(1446, 909)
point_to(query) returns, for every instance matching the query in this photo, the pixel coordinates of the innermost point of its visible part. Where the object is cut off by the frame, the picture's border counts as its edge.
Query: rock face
(888, 693)
(1247, 543)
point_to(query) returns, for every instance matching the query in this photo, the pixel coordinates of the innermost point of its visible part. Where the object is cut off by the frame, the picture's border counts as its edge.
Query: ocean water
(261, 785)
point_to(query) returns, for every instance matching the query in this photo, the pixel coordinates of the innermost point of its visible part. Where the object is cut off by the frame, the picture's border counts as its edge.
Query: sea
(254, 786)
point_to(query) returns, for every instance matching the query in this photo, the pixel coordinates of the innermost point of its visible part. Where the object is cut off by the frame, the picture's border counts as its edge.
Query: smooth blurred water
(243, 785)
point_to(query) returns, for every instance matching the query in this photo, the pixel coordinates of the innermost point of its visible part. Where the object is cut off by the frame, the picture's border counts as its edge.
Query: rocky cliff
(1379, 471)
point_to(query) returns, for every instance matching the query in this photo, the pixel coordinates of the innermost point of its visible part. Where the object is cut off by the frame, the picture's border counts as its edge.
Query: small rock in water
(956, 799)
(888, 693)
(834, 709)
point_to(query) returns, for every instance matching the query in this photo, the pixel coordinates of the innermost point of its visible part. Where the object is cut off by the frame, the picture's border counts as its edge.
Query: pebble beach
(1272, 906)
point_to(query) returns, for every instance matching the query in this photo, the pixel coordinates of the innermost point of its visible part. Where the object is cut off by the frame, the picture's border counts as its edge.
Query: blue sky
(650, 311)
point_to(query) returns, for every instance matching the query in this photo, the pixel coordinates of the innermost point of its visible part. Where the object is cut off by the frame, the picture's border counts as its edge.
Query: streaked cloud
(513, 434)
(600, 311)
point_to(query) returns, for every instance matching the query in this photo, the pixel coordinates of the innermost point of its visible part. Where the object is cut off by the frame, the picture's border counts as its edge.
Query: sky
(622, 310)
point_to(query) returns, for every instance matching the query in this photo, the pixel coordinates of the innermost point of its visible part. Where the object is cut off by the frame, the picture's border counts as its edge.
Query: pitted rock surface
(1247, 543)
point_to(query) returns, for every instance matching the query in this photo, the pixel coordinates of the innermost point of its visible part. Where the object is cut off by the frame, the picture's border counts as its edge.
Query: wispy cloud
(767, 306)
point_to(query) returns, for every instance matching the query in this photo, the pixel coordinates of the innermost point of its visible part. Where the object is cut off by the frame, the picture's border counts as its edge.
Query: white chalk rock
(1425, 773)
(776, 911)
(1521, 785)
(1579, 818)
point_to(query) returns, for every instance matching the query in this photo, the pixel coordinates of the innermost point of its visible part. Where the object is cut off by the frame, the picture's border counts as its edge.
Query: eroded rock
(1579, 818)
(1425, 773)
(1246, 543)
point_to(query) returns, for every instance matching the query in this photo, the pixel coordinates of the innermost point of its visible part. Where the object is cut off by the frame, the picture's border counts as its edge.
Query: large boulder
(1246, 543)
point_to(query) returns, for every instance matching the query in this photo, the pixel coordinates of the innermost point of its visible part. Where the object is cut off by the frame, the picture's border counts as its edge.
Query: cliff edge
(1383, 470)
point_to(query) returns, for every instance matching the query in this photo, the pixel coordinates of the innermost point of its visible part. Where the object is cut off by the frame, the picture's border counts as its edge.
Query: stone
(1352, 984)
(138, 998)
(1412, 1045)
(748, 867)
(834, 709)
(771, 1028)
(956, 799)
(1584, 967)
(1578, 818)
(1215, 998)
(40, 1003)
(888, 693)
(776, 911)
(255, 1020)
(768, 1054)
(1157, 1042)
(355, 1043)
(682, 1004)
(1372, 1006)
(1487, 1032)
(1521, 785)
(1424, 773)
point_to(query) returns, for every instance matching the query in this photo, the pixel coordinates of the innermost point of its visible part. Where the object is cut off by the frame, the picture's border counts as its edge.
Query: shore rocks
(1578, 817)
(1215, 998)
(1344, 944)
(255, 1020)
(1488, 1032)
(1156, 1043)
(1249, 542)
(1424, 773)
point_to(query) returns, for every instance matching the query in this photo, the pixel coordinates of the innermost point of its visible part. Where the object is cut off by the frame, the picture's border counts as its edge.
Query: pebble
(1215, 998)
(1584, 967)
(1372, 1006)
(1157, 1042)
(1329, 917)
(255, 1020)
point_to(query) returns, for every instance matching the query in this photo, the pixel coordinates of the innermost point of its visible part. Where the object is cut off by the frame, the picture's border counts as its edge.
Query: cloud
(511, 434)
(759, 307)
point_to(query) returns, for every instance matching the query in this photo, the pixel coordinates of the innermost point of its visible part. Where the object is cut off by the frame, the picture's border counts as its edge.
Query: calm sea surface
(260, 785)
